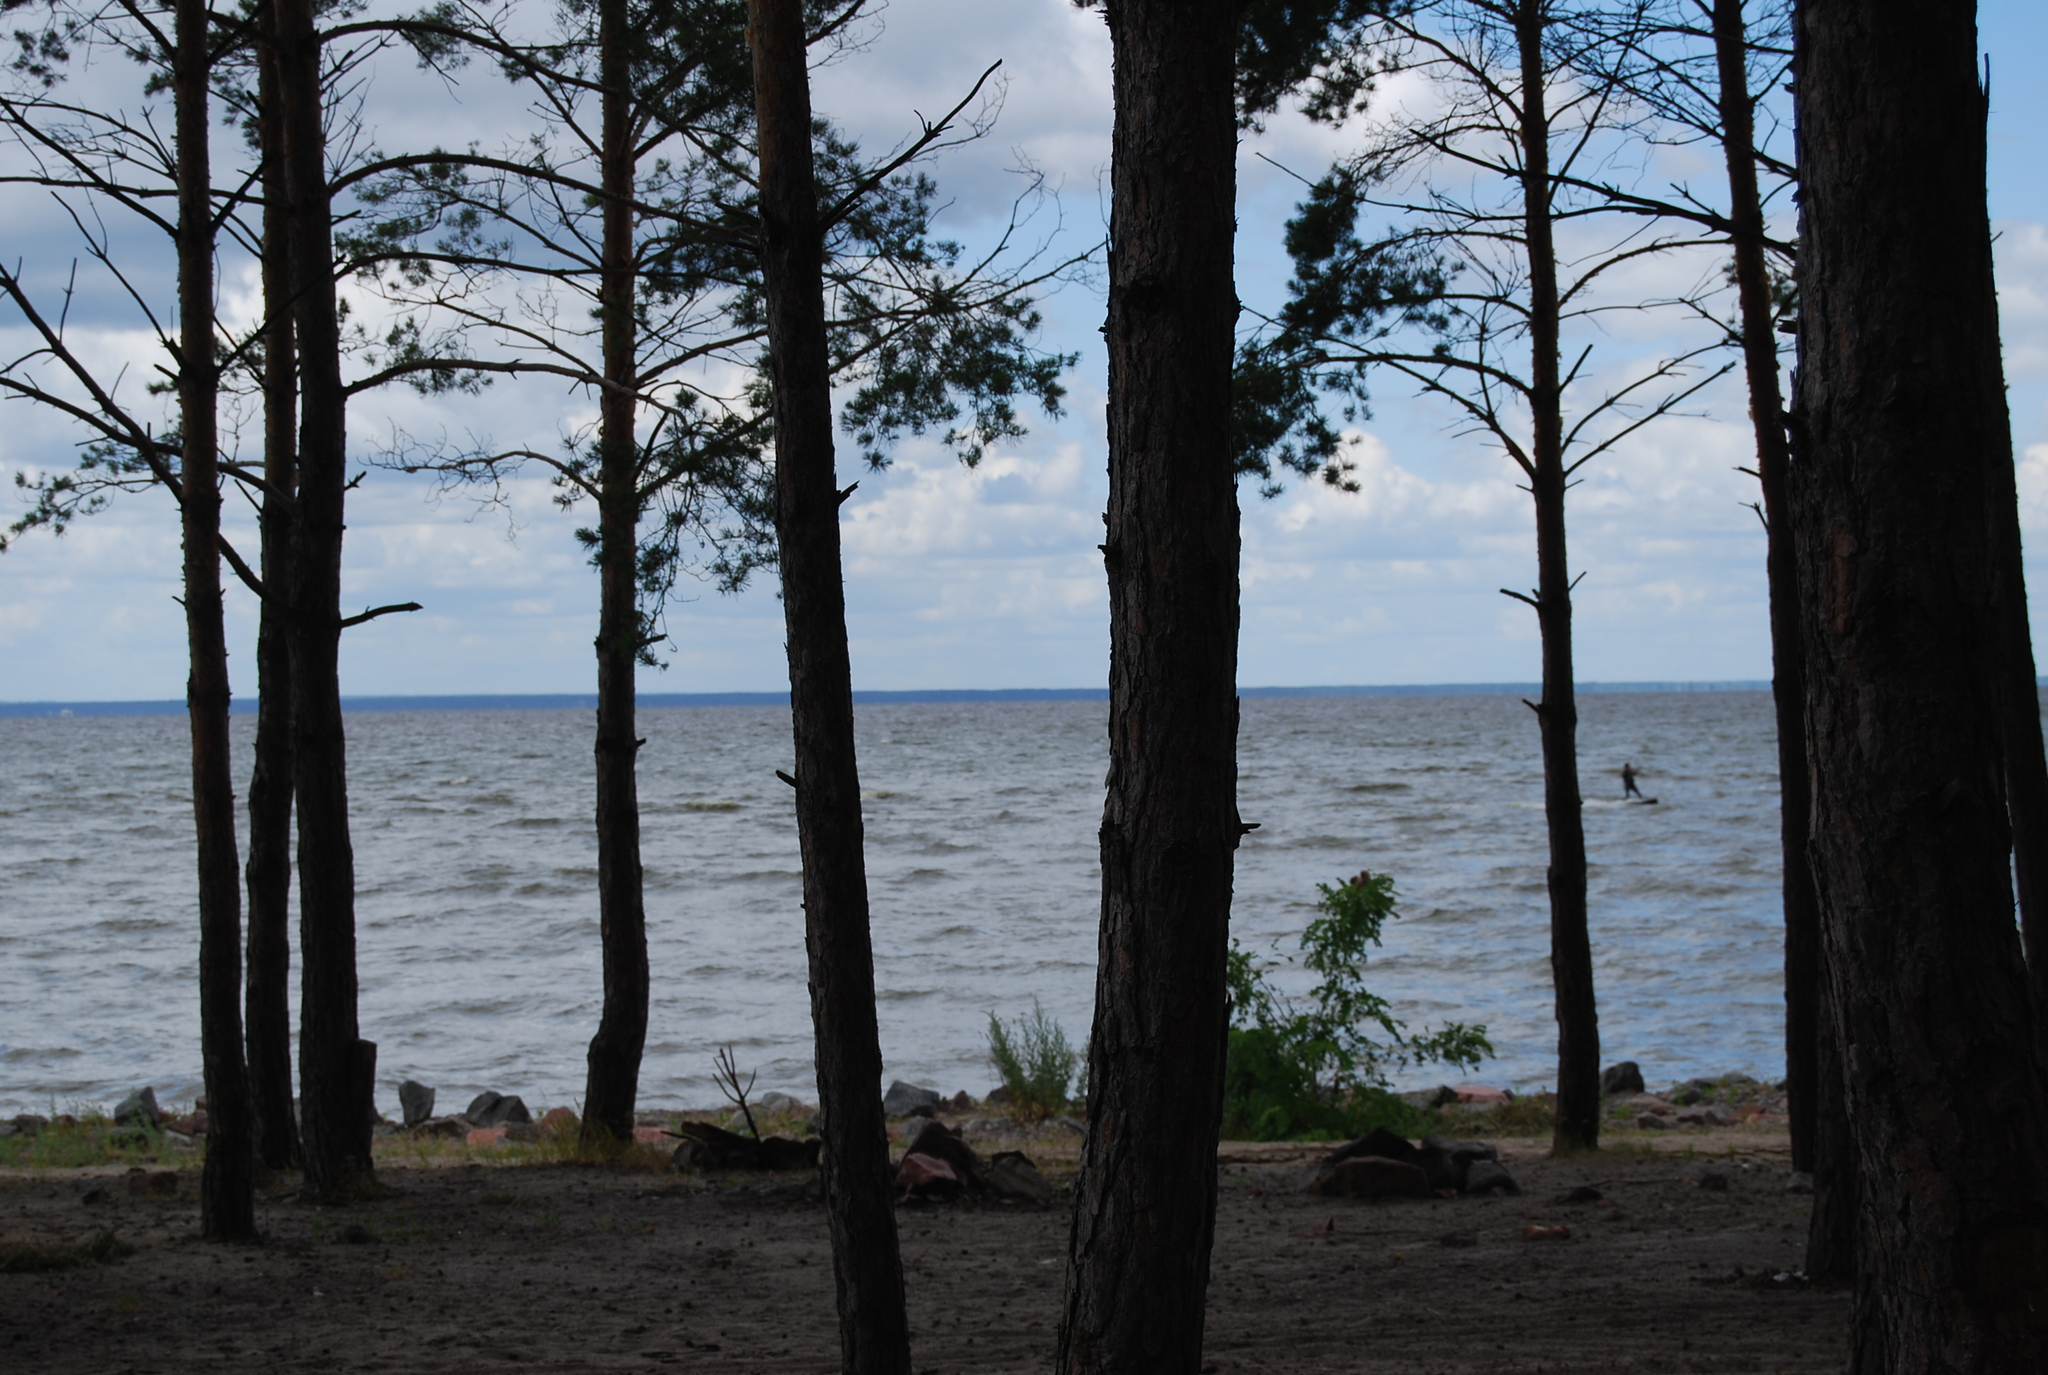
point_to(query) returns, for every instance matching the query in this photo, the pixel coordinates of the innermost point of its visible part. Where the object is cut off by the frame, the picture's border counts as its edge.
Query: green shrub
(1315, 1069)
(1035, 1063)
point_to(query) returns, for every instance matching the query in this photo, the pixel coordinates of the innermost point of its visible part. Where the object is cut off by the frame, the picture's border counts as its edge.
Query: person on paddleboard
(1628, 782)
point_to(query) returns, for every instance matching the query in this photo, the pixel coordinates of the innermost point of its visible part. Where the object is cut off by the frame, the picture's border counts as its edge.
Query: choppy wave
(477, 908)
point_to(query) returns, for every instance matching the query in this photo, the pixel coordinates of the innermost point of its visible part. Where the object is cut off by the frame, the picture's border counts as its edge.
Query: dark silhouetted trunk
(874, 1333)
(1831, 1226)
(1145, 1203)
(1903, 447)
(1804, 987)
(1571, 947)
(227, 1198)
(268, 999)
(614, 1058)
(334, 1123)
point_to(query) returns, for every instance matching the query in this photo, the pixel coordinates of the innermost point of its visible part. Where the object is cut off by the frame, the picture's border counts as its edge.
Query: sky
(990, 577)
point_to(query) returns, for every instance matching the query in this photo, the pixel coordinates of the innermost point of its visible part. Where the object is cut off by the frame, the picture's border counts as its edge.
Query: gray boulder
(1626, 1077)
(1489, 1177)
(908, 1100)
(415, 1102)
(1012, 1177)
(781, 1104)
(1447, 1162)
(490, 1109)
(1371, 1176)
(138, 1109)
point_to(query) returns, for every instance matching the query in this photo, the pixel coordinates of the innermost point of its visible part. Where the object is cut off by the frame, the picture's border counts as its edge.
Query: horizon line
(862, 697)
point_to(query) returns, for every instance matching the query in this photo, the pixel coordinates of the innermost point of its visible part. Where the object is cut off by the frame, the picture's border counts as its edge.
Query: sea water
(476, 865)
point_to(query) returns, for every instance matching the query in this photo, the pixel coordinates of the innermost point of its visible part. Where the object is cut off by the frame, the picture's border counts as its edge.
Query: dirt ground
(574, 1268)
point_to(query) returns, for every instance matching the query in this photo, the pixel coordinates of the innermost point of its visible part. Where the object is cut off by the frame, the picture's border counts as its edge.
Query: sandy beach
(472, 1265)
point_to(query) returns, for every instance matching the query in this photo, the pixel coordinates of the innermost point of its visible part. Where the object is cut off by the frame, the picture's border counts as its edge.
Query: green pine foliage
(1318, 1068)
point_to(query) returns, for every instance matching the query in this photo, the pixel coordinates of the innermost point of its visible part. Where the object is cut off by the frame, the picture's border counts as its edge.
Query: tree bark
(335, 1126)
(269, 873)
(1145, 1206)
(227, 1198)
(614, 1057)
(1903, 444)
(1804, 987)
(1557, 715)
(874, 1333)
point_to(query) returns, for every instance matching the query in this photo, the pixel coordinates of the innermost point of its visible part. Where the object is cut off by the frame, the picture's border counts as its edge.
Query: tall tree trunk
(268, 998)
(1831, 1242)
(227, 1198)
(335, 1066)
(874, 1334)
(1145, 1205)
(1571, 947)
(1804, 988)
(614, 1059)
(1903, 440)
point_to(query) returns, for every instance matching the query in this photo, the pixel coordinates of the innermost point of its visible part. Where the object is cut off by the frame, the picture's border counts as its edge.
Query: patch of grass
(28, 1258)
(1527, 1116)
(89, 1138)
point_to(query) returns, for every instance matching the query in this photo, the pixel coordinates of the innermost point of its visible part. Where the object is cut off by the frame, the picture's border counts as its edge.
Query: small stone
(1652, 1122)
(558, 1122)
(92, 1197)
(1714, 1183)
(999, 1096)
(1536, 1232)
(30, 1124)
(138, 1109)
(1585, 1193)
(1371, 1176)
(910, 1100)
(486, 1136)
(1718, 1116)
(1068, 1124)
(522, 1131)
(355, 1234)
(777, 1104)
(1479, 1095)
(1626, 1077)
(962, 1101)
(415, 1102)
(651, 1136)
(154, 1184)
(1799, 1182)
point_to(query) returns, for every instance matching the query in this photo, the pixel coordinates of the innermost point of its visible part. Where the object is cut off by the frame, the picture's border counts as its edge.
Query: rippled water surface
(477, 912)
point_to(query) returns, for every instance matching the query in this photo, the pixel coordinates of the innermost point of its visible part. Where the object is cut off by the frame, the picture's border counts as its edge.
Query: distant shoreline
(654, 700)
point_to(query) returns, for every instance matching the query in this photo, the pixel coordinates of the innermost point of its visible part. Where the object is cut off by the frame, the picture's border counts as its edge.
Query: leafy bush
(1035, 1062)
(1315, 1069)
